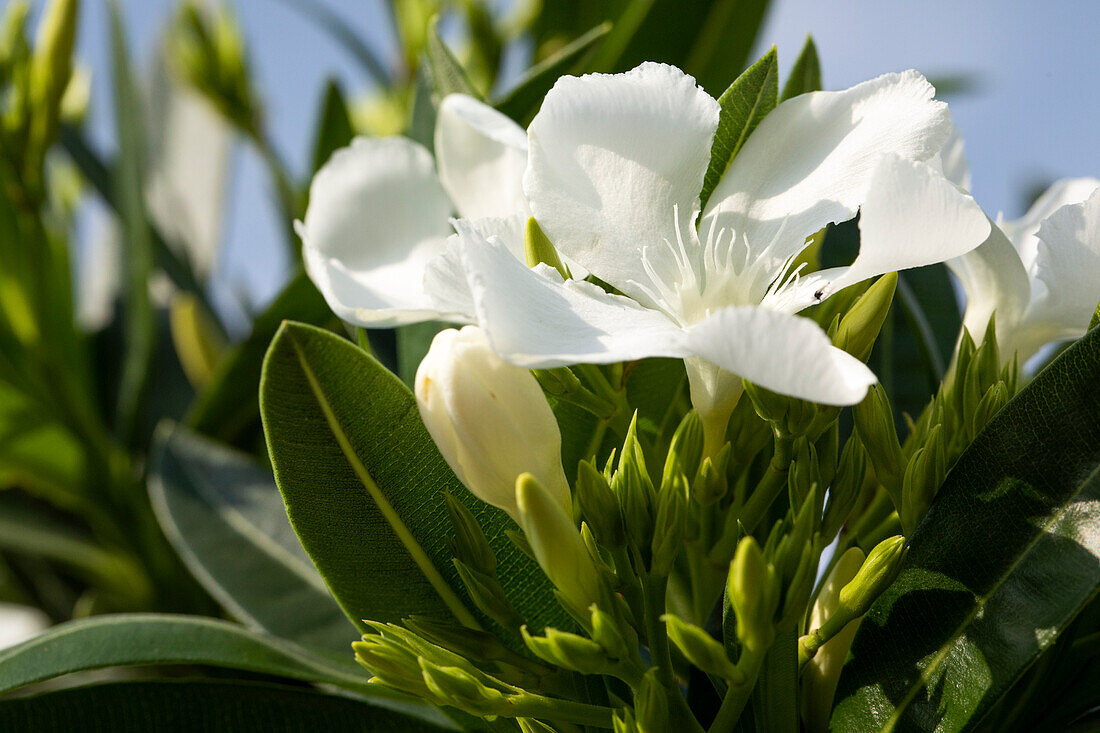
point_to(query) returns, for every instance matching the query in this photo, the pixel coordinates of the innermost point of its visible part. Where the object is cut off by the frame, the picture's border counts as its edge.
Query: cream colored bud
(489, 419)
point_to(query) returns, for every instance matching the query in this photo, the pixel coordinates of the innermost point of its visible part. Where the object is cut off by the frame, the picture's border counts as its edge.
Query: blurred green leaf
(743, 105)
(1003, 561)
(228, 409)
(522, 101)
(334, 129)
(364, 484)
(448, 76)
(137, 252)
(194, 705)
(225, 517)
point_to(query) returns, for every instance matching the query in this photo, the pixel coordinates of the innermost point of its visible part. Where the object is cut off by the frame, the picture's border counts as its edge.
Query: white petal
(1022, 232)
(912, 217)
(377, 215)
(610, 157)
(994, 280)
(481, 155)
(1068, 263)
(787, 354)
(952, 162)
(809, 162)
(534, 319)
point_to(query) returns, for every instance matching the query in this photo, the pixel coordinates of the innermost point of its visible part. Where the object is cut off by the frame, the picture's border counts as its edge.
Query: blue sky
(1031, 116)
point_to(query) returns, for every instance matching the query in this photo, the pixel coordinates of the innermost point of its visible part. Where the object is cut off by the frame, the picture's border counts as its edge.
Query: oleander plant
(634, 397)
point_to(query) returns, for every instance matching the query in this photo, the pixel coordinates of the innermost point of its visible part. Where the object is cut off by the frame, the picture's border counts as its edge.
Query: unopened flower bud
(846, 485)
(990, 404)
(860, 326)
(686, 449)
(51, 68)
(753, 596)
(538, 248)
(635, 492)
(822, 671)
(557, 544)
(469, 543)
(875, 576)
(669, 528)
(570, 651)
(875, 424)
(923, 476)
(712, 481)
(788, 415)
(488, 595)
(651, 704)
(489, 419)
(457, 687)
(619, 641)
(701, 649)
(599, 506)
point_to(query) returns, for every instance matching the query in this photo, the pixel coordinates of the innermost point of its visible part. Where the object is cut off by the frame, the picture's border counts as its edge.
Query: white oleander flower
(1040, 273)
(379, 209)
(615, 168)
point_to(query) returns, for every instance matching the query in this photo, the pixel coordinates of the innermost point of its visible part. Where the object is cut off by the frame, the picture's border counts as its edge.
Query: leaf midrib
(419, 556)
(945, 648)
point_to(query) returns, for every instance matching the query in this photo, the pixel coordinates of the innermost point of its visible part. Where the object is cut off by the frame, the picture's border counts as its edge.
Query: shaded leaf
(122, 707)
(805, 74)
(225, 518)
(334, 129)
(1004, 560)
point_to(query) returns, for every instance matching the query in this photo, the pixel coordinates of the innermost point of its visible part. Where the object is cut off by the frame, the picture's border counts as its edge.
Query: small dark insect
(819, 293)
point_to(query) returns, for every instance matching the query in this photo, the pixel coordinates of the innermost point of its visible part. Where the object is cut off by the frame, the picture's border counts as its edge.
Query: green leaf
(743, 105)
(724, 40)
(140, 328)
(805, 74)
(448, 76)
(334, 128)
(224, 516)
(228, 408)
(1004, 560)
(523, 100)
(364, 485)
(142, 639)
(196, 705)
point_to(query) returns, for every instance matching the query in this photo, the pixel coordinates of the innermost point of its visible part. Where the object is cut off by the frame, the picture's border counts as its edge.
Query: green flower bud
(570, 651)
(651, 704)
(634, 489)
(845, 488)
(557, 382)
(875, 576)
(617, 640)
(488, 595)
(751, 587)
(788, 415)
(712, 481)
(599, 506)
(51, 69)
(686, 449)
(469, 543)
(489, 419)
(462, 640)
(668, 533)
(540, 250)
(991, 403)
(923, 477)
(804, 473)
(391, 663)
(874, 422)
(860, 326)
(822, 672)
(701, 649)
(557, 545)
(458, 688)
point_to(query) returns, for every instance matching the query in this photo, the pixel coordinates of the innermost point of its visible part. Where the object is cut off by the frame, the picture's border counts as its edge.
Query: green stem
(568, 711)
(737, 696)
(771, 484)
(654, 589)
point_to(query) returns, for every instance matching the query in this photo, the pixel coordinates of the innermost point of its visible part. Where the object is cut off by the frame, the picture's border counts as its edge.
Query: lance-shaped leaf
(136, 707)
(224, 516)
(744, 104)
(1004, 560)
(448, 76)
(364, 488)
(128, 640)
(805, 74)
